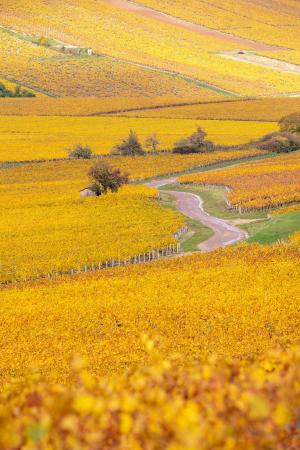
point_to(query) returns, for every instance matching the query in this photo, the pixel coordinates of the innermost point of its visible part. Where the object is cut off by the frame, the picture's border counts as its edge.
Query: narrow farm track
(150, 13)
(263, 61)
(191, 205)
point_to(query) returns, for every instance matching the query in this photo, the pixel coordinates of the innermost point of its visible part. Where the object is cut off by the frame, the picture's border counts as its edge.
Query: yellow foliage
(55, 230)
(265, 184)
(54, 73)
(266, 109)
(149, 42)
(179, 409)
(286, 210)
(137, 167)
(235, 302)
(253, 20)
(28, 138)
(84, 106)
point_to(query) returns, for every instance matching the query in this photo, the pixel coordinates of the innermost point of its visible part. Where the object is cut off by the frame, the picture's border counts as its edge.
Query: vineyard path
(191, 205)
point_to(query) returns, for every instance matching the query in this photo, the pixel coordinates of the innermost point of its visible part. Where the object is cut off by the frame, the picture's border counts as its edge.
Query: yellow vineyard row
(55, 230)
(137, 167)
(270, 109)
(27, 138)
(231, 303)
(84, 106)
(264, 184)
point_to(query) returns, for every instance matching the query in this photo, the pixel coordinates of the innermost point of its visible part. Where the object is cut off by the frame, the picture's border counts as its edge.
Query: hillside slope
(106, 25)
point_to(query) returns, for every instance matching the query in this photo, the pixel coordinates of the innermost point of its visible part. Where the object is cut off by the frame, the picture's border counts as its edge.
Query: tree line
(131, 146)
(106, 178)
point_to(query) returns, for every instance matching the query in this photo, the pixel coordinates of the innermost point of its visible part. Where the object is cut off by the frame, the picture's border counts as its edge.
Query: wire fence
(141, 258)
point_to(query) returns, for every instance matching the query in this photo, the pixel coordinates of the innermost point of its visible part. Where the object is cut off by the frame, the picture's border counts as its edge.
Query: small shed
(75, 50)
(88, 192)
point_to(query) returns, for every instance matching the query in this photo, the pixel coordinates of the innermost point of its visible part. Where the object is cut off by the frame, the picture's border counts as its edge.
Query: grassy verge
(261, 229)
(279, 227)
(197, 232)
(214, 202)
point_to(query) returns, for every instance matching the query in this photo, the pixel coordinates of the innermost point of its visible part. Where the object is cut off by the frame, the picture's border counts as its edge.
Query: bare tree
(152, 143)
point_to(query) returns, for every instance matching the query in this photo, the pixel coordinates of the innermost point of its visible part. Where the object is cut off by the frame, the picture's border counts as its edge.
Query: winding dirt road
(191, 205)
(263, 61)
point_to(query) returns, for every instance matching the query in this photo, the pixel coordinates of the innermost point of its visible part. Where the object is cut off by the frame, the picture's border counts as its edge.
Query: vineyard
(150, 225)
(52, 73)
(53, 213)
(25, 139)
(137, 167)
(267, 109)
(85, 106)
(252, 20)
(264, 184)
(149, 42)
(43, 200)
(244, 320)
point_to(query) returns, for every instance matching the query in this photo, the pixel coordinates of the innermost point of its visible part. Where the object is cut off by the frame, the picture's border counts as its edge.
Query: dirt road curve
(144, 11)
(191, 205)
(262, 61)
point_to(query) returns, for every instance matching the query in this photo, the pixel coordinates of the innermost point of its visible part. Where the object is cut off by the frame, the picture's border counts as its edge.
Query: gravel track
(191, 205)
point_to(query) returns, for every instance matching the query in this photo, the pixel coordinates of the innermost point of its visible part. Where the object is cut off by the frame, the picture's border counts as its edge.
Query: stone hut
(75, 50)
(88, 192)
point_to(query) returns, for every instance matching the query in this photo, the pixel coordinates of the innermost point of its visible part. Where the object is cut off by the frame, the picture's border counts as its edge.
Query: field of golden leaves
(255, 20)
(33, 138)
(56, 231)
(137, 167)
(264, 184)
(85, 106)
(101, 315)
(266, 109)
(149, 42)
(253, 408)
(200, 351)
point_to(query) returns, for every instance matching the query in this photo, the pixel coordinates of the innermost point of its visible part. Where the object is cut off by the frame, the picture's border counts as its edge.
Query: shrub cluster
(196, 143)
(279, 142)
(80, 152)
